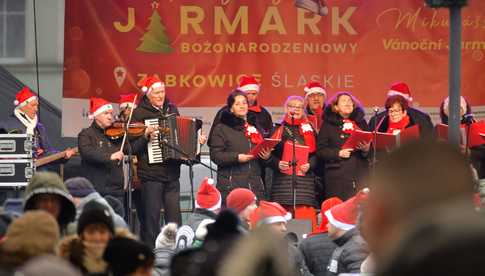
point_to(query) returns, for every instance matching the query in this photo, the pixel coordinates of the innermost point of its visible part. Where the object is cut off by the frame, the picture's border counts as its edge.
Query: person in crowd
(207, 205)
(242, 201)
(46, 191)
(275, 217)
(95, 228)
(82, 192)
(427, 209)
(101, 156)
(315, 96)
(423, 120)
(25, 120)
(344, 168)
(165, 249)
(231, 142)
(317, 248)
(262, 118)
(477, 154)
(206, 259)
(351, 248)
(294, 127)
(48, 265)
(397, 118)
(129, 257)
(159, 180)
(35, 233)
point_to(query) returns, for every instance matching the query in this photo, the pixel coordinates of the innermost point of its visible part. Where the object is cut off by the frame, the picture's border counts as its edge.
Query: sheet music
(155, 154)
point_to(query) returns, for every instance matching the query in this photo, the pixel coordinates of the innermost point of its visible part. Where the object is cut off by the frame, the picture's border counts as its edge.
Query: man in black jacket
(100, 155)
(159, 181)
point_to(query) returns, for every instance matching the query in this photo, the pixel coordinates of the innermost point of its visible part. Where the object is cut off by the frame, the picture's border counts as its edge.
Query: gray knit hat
(50, 183)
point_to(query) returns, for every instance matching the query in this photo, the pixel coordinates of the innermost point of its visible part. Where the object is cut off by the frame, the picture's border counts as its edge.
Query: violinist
(127, 103)
(101, 155)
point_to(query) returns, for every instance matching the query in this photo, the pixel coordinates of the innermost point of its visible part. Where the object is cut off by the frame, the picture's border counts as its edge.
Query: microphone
(468, 118)
(376, 109)
(292, 113)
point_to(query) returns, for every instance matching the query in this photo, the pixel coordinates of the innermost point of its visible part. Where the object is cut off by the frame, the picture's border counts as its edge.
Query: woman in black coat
(343, 167)
(230, 144)
(304, 134)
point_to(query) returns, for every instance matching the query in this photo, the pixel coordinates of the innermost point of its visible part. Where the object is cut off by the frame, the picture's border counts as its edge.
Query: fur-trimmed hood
(232, 121)
(335, 119)
(72, 249)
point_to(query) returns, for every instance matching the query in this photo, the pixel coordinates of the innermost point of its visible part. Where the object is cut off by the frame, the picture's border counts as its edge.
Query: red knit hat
(23, 97)
(401, 89)
(240, 198)
(327, 205)
(268, 213)
(314, 87)
(344, 215)
(149, 83)
(98, 106)
(126, 100)
(248, 83)
(208, 197)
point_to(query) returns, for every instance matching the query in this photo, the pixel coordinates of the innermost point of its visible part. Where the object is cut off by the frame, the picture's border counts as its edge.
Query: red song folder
(358, 136)
(389, 141)
(476, 134)
(301, 154)
(268, 143)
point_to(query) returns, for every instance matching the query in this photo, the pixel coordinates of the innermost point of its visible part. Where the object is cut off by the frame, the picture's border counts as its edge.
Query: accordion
(177, 139)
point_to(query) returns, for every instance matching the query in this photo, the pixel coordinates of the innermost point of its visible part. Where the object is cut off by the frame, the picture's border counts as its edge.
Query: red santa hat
(248, 83)
(98, 106)
(149, 83)
(401, 89)
(240, 198)
(446, 104)
(344, 215)
(208, 197)
(126, 100)
(23, 97)
(268, 213)
(314, 87)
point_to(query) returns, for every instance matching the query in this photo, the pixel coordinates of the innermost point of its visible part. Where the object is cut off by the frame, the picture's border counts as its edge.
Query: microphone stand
(293, 165)
(374, 143)
(129, 163)
(468, 122)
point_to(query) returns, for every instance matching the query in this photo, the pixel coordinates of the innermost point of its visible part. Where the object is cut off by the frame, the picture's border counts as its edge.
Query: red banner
(200, 48)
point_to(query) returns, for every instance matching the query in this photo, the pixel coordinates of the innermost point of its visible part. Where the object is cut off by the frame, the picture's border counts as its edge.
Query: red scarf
(398, 126)
(253, 134)
(305, 130)
(349, 126)
(255, 108)
(316, 119)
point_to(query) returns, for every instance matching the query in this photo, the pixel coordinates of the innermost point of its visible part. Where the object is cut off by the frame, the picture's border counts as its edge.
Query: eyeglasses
(395, 111)
(297, 107)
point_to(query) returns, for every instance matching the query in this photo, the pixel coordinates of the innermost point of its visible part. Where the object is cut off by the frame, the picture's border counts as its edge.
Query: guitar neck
(51, 158)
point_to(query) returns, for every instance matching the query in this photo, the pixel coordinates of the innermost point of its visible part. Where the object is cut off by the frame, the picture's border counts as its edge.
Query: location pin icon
(120, 75)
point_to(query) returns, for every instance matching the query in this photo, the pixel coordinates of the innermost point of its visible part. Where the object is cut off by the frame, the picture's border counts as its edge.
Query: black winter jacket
(229, 140)
(168, 171)
(342, 176)
(317, 250)
(349, 255)
(96, 149)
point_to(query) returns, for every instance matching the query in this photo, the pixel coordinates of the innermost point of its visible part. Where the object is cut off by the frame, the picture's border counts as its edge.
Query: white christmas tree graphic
(155, 39)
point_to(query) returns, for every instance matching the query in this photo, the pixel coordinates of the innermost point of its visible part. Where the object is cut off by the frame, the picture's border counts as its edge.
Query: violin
(117, 130)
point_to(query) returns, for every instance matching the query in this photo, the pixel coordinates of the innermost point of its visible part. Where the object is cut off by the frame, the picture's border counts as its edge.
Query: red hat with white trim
(401, 89)
(344, 215)
(23, 97)
(208, 197)
(314, 87)
(269, 213)
(149, 83)
(98, 106)
(126, 100)
(248, 83)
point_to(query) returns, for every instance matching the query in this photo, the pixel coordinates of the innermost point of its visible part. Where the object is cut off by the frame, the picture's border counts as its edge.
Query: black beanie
(124, 255)
(95, 212)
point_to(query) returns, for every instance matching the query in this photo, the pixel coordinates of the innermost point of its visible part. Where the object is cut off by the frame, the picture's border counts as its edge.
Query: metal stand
(293, 166)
